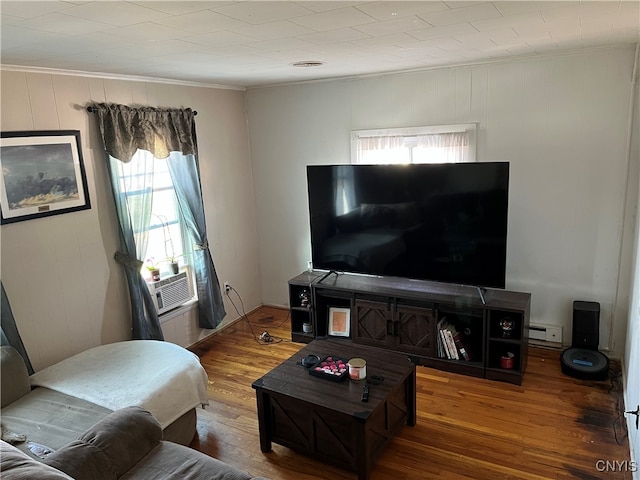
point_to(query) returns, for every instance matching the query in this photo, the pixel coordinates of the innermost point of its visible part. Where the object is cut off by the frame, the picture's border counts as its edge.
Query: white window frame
(410, 132)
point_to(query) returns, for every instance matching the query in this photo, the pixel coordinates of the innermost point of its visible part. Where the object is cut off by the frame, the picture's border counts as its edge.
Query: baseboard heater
(541, 334)
(170, 292)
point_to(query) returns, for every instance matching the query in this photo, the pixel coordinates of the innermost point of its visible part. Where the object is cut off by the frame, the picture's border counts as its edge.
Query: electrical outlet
(227, 287)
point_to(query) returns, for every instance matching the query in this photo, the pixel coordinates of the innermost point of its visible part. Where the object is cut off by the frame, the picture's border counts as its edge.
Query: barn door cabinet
(404, 328)
(438, 325)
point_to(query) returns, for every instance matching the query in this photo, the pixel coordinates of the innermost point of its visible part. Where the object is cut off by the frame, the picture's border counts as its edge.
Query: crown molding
(111, 76)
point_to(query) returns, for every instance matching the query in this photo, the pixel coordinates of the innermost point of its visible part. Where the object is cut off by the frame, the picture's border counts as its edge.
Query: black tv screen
(444, 222)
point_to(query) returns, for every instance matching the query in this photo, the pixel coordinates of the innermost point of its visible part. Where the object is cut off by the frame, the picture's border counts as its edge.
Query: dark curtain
(164, 133)
(10, 334)
(159, 131)
(186, 181)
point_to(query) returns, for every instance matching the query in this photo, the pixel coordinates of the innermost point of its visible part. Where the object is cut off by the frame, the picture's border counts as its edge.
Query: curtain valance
(126, 129)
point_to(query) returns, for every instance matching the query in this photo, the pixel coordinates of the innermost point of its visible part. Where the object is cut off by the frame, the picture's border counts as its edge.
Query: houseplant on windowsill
(174, 267)
(169, 251)
(154, 271)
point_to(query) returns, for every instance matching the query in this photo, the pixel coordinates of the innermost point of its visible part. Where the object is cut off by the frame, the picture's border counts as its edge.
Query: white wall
(560, 120)
(66, 291)
(632, 350)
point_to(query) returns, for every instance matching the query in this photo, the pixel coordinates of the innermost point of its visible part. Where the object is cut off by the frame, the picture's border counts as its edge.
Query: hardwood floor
(551, 427)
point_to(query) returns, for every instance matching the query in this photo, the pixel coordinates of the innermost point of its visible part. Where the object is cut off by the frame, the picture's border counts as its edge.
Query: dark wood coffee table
(328, 420)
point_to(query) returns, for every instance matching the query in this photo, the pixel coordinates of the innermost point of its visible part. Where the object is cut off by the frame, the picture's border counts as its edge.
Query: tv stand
(488, 328)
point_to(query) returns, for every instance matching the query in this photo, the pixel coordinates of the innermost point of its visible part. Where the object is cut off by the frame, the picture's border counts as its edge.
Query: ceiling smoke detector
(308, 64)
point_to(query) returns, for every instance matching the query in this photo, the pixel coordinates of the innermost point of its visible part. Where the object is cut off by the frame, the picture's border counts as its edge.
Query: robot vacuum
(583, 360)
(584, 364)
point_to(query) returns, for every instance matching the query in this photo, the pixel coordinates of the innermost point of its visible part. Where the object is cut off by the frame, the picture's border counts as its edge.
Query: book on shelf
(443, 349)
(445, 345)
(440, 346)
(450, 344)
(464, 351)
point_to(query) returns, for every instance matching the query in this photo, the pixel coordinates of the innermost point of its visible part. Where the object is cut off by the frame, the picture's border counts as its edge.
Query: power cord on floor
(265, 338)
(615, 377)
(620, 423)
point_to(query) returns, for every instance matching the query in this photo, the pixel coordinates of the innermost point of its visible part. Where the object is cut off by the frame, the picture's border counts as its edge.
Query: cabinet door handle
(395, 329)
(389, 327)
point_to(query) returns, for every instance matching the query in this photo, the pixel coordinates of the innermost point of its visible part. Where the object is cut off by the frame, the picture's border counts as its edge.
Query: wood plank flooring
(551, 427)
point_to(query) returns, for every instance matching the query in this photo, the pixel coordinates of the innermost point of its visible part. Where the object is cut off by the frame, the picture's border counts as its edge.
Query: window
(437, 144)
(164, 239)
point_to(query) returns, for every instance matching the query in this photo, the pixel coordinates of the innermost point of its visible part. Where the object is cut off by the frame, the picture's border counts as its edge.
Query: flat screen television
(444, 222)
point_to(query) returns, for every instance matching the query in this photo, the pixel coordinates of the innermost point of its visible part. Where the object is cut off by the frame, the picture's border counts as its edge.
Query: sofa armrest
(16, 465)
(111, 447)
(170, 461)
(15, 377)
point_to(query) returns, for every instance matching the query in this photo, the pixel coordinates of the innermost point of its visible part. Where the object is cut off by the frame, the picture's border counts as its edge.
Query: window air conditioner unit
(170, 292)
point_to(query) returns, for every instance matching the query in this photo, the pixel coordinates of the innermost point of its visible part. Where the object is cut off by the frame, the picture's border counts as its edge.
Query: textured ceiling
(252, 43)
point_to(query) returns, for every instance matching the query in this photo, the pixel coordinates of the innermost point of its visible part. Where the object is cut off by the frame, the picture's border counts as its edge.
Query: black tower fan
(583, 360)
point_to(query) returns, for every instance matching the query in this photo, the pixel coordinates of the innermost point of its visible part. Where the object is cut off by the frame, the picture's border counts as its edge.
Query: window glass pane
(135, 204)
(175, 232)
(155, 248)
(161, 176)
(164, 234)
(134, 183)
(431, 155)
(394, 155)
(162, 180)
(164, 207)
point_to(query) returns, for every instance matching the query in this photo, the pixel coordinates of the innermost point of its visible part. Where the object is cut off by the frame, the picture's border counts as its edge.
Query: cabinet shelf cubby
(506, 343)
(300, 305)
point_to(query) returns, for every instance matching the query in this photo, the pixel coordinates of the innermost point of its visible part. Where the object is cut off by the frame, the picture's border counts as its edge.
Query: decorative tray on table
(331, 367)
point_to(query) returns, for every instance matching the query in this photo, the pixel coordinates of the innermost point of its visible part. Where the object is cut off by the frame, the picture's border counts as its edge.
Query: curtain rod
(91, 109)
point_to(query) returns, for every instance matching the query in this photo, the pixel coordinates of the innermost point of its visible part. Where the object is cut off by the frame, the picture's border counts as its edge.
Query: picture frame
(42, 174)
(339, 321)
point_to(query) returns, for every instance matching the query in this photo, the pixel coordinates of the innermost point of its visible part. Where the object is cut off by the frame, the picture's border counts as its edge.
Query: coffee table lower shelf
(327, 420)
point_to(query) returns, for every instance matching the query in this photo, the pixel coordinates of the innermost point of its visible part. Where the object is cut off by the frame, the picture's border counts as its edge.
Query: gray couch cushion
(172, 461)
(109, 448)
(15, 377)
(16, 465)
(50, 418)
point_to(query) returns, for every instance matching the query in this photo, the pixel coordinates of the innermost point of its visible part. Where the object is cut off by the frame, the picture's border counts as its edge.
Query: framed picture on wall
(339, 321)
(42, 174)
